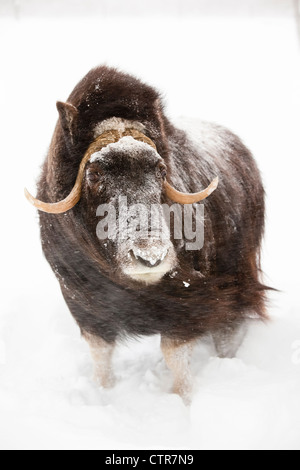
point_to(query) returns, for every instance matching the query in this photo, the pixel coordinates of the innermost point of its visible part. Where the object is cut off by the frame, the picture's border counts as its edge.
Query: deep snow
(241, 73)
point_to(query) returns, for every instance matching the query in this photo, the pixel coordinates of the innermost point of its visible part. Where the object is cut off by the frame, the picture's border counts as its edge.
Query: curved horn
(56, 207)
(184, 198)
(73, 198)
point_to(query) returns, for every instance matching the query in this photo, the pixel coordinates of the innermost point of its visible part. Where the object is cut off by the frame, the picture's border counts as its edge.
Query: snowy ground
(243, 73)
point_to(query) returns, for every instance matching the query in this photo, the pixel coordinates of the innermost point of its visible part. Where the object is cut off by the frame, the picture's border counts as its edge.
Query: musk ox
(113, 140)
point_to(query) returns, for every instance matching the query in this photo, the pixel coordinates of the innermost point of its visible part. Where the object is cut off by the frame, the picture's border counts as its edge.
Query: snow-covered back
(243, 74)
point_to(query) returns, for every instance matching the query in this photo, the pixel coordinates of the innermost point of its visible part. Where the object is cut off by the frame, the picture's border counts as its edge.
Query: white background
(236, 63)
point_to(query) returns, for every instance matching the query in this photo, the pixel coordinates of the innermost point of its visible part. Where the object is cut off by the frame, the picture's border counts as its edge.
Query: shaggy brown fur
(224, 276)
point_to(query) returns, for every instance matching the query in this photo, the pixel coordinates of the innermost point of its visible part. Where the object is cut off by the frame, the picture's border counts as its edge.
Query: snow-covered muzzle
(145, 252)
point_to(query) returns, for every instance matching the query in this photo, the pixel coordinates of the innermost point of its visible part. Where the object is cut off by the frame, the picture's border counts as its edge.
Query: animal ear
(68, 115)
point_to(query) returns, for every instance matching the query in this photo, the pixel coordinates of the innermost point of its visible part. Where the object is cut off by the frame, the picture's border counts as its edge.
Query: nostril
(148, 264)
(150, 258)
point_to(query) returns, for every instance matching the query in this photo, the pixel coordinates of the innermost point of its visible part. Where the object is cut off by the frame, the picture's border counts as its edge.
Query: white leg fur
(177, 355)
(101, 352)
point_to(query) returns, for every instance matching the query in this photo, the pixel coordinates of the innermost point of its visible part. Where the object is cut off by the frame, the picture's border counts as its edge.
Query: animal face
(123, 185)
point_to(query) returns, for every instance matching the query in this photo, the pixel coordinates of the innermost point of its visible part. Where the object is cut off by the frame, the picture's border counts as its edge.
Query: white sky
(178, 8)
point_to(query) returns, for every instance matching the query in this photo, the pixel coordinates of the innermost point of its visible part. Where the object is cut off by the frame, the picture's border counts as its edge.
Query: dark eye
(93, 176)
(162, 171)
